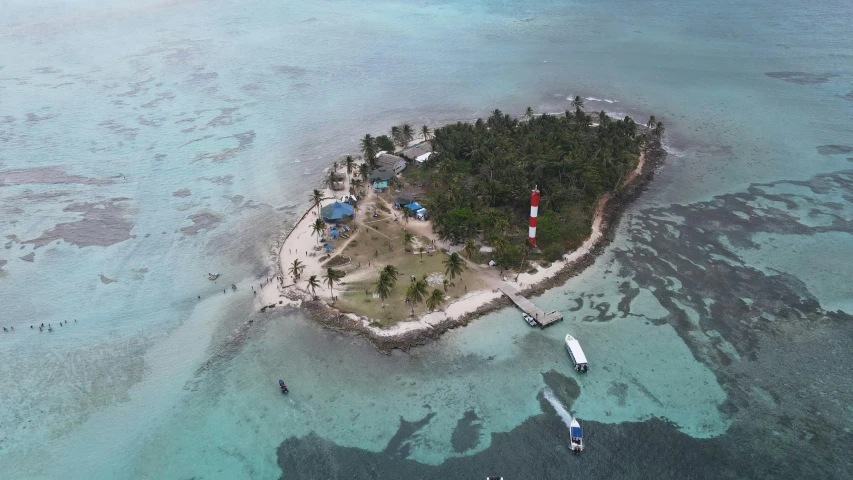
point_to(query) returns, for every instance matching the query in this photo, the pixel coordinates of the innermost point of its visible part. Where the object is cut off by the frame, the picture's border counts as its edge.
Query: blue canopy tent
(336, 211)
(414, 207)
(328, 247)
(334, 233)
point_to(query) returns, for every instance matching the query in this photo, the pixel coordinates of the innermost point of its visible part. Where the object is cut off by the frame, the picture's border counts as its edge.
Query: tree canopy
(479, 180)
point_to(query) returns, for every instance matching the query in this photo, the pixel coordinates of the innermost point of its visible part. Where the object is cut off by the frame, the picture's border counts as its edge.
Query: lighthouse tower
(534, 212)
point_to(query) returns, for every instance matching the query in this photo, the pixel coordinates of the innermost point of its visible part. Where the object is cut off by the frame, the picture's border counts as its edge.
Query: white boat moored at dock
(576, 352)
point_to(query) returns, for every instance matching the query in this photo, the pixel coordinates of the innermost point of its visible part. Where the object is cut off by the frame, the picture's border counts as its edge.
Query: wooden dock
(542, 318)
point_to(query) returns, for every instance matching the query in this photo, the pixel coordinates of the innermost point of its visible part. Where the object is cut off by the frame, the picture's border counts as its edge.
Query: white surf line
(561, 410)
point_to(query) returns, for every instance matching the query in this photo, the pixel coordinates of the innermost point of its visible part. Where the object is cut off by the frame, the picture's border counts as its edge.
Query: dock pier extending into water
(542, 318)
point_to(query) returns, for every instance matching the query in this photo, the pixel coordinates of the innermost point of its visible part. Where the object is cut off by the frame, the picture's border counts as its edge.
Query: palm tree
(368, 148)
(631, 125)
(317, 197)
(652, 123)
(364, 172)
(383, 286)
(313, 284)
(296, 268)
(392, 273)
(470, 248)
(454, 265)
(659, 129)
(396, 136)
(426, 133)
(500, 245)
(350, 164)
(435, 300)
(407, 133)
(421, 250)
(332, 178)
(318, 227)
(577, 103)
(407, 239)
(407, 212)
(446, 284)
(602, 118)
(335, 166)
(416, 293)
(528, 114)
(332, 276)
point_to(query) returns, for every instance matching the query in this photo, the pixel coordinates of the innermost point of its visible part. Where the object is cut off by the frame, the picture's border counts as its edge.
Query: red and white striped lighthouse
(534, 212)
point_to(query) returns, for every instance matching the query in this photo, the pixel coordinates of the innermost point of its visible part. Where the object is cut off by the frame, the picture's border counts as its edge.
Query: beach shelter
(336, 211)
(403, 199)
(414, 207)
(328, 247)
(334, 233)
(380, 186)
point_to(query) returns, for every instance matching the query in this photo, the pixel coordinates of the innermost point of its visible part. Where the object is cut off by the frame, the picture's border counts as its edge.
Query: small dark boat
(283, 386)
(212, 276)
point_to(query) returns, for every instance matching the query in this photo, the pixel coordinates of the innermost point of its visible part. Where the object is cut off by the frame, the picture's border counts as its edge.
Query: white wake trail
(561, 410)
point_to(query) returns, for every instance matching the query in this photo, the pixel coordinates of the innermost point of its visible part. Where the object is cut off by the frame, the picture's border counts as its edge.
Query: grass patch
(380, 250)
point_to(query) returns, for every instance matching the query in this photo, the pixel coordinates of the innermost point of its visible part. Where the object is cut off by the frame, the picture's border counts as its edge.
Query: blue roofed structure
(336, 211)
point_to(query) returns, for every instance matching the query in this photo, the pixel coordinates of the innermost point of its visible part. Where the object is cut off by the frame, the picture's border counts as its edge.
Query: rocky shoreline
(333, 319)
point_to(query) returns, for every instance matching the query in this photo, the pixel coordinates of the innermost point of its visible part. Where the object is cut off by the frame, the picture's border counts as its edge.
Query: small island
(414, 237)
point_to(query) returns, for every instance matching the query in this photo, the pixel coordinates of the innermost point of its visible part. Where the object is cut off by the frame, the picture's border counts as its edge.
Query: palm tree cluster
(479, 181)
(402, 135)
(333, 177)
(417, 291)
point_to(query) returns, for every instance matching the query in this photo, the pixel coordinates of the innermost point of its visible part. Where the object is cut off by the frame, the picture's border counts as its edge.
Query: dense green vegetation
(478, 182)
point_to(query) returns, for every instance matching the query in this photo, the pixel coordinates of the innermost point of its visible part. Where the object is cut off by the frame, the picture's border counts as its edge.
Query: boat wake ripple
(561, 410)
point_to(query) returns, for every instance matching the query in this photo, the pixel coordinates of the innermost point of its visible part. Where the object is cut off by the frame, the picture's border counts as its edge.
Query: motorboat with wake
(282, 386)
(212, 276)
(577, 436)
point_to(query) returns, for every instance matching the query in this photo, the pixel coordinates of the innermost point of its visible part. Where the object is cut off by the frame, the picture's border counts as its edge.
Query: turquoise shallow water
(144, 144)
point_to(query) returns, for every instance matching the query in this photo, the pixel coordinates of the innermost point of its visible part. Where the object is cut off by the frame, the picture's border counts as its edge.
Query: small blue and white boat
(577, 436)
